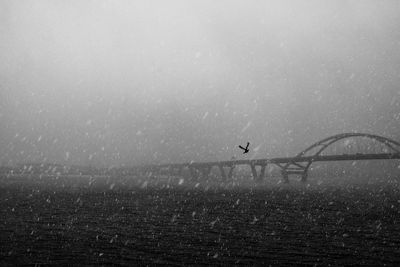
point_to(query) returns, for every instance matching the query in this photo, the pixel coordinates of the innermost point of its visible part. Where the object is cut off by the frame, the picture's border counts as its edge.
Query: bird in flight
(246, 149)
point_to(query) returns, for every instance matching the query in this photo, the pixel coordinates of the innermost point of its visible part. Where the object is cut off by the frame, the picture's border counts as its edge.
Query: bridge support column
(262, 173)
(230, 173)
(147, 173)
(193, 173)
(285, 177)
(304, 176)
(253, 171)
(223, 174)
(302, 172)
(205, 171)
(258, 177)
(178, 171)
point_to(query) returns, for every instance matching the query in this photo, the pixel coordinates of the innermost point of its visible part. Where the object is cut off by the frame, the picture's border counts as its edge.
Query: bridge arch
(320, 146)
(325, 143)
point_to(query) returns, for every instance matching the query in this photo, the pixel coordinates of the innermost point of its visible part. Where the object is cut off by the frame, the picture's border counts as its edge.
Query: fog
(127, 82)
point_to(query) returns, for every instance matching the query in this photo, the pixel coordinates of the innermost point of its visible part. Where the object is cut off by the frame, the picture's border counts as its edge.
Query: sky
(128, 82)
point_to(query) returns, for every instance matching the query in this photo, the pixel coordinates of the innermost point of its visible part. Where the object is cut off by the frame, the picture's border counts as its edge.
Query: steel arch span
(297, 166)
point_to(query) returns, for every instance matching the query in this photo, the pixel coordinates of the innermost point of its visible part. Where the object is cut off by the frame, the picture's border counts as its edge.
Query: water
(188, 226)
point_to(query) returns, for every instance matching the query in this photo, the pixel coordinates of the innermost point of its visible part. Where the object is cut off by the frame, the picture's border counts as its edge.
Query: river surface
(183, 226)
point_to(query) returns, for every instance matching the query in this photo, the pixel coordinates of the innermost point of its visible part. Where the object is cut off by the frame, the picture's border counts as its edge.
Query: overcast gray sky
(110, 82)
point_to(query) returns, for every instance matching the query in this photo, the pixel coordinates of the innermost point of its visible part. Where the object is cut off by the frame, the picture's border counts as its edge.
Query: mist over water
(96, 95)
(106, 83)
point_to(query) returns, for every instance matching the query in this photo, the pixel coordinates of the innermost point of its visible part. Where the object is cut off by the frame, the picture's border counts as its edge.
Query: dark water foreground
(182, 226)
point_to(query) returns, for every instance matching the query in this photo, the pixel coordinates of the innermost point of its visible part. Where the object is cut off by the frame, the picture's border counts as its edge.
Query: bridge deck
(282, 160)
(298, 165)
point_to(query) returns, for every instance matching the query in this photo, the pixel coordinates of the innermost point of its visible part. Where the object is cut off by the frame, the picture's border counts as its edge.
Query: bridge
(376, 148)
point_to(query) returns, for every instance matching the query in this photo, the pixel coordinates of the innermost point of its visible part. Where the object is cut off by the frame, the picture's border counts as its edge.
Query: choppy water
(183, 226)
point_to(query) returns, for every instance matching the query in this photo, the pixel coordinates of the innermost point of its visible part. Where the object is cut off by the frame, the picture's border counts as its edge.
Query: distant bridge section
(341, 147)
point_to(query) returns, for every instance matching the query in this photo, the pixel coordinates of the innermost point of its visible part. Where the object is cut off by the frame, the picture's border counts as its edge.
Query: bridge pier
(200, 171)
(286, 172)
(253, 171)
(149, 173)
(285, 176)
(304, 176)
(226, 176)
(223, 174)
(205, 171)
(230, 173)
(262, 173)
(167, 172)
(194, 173)
(178, 171)
(258, 177)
